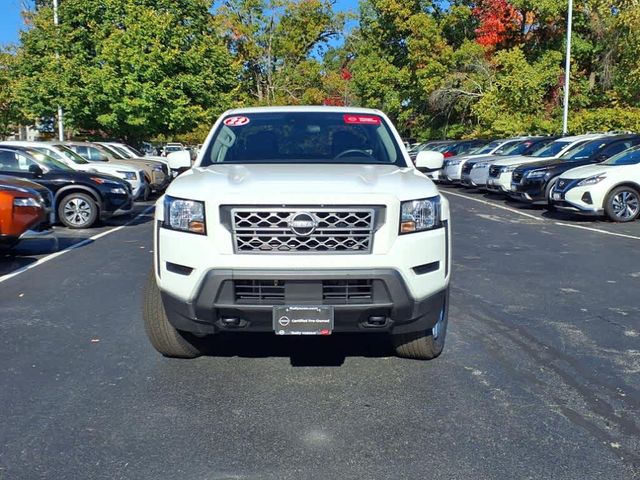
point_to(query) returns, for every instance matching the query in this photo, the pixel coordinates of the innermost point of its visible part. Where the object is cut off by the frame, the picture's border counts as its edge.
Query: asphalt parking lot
(540, 377)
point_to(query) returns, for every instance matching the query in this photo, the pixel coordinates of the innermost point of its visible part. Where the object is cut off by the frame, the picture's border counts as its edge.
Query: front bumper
(583, 200)
(115, 204)
(500, 184)
(452, 173)
(529, 190)
(216, 300)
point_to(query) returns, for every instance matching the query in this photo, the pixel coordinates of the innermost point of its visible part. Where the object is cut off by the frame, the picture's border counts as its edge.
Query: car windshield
(46, 161)
(628, 157)
(123, 153)
(71, 155)
(584, 151)
(111, 151)
(304, 137)
(551, 150)
(506, 147)
(136, 152)
(488, 148)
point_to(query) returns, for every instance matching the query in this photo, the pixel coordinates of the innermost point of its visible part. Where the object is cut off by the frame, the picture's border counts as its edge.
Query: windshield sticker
(362, 119)
(236, 121)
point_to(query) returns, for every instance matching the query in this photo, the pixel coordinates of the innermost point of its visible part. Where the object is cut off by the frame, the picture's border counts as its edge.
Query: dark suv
(533, 182)
(80, 198)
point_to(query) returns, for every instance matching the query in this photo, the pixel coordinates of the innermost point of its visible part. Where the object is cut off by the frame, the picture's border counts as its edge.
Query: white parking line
(528, 215)
(73, 247)
(512, 210)
(591, 229)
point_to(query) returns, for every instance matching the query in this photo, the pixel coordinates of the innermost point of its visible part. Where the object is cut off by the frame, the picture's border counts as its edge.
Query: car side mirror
(36, 170)
(429, 160)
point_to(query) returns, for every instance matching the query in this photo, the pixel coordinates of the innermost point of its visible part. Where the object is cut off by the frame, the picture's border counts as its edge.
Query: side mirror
(36, 170)
(429, 160)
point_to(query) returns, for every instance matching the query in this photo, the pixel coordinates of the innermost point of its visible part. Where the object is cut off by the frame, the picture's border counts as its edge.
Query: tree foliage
(143, 68)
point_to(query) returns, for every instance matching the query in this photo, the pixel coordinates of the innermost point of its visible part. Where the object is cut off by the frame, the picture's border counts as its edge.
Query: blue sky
(11, 22)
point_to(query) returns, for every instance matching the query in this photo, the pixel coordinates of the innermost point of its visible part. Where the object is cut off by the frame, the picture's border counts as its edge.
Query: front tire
(78, 210)
(622, 204)
(165, 339)
(422, 345)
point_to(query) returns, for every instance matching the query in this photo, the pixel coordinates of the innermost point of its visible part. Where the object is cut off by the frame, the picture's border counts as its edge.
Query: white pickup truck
(302, 221)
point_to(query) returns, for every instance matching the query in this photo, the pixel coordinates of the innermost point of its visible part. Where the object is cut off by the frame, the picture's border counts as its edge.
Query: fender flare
(75, 187)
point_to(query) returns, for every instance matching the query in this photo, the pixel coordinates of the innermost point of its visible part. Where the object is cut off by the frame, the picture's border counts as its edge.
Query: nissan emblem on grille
(294, 230)
(303, 224)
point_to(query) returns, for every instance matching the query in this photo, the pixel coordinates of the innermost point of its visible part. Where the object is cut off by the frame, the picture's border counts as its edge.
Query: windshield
(584, 151)
(110, 151)
(137, 153)
(551, 150)
(506, 147)
(123, 153)
(172, 149)
(304, 137)
(71, 155)
(488, 148)
(628, 157)
(47, 161)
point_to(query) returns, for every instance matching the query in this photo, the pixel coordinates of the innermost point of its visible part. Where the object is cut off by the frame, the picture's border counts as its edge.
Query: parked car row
(74, 183)
(594, 174)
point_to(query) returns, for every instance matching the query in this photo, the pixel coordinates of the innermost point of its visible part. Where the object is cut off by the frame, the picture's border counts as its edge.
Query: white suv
(611, 187)
(302, 221)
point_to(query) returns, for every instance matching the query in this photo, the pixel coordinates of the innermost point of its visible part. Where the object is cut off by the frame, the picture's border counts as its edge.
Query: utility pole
(567, 71)
(60, 114)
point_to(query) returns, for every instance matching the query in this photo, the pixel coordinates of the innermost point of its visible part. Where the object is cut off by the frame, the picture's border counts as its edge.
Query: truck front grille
(494, 171)
(347, 291)
(517, 177)
(303, 230)
(272, 292)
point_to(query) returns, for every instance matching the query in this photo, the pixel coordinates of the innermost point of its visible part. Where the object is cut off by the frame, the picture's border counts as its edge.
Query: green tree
(10, 114)
(130, 68)
(278, 45)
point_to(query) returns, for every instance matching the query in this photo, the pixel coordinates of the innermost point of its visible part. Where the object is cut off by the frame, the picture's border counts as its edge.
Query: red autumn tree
(499, 22)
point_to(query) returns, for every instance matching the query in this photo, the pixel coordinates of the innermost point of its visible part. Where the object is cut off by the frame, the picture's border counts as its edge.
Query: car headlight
(184, 215)
(420, 215)
(536, 173)
(453, 163)
(26, 202)
(592, 180)
(118, 191)
(480, 165)
(507, 169)
(128, 175)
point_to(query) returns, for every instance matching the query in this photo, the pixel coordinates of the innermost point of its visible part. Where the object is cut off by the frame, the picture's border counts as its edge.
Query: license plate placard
(302, 320)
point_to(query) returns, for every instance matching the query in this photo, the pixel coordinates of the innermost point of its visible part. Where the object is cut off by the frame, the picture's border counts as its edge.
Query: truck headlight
(592, 180)
(128, 175)
(420, 215)
(184, 215)
(26, 202)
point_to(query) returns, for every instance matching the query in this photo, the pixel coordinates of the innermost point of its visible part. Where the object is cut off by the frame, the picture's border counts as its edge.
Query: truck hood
(587, 171)
(295, 183)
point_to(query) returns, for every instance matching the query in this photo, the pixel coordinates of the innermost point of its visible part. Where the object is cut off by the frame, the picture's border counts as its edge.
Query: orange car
(25, 210)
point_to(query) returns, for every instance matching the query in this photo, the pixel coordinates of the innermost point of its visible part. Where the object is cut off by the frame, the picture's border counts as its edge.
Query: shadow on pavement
(329, 351)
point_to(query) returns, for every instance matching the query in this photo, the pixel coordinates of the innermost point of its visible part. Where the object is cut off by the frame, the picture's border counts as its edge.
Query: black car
(80, 198)
(521, 148)
(533, 182)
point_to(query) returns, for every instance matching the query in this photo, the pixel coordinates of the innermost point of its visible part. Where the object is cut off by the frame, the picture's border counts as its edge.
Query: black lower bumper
(390, 299)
